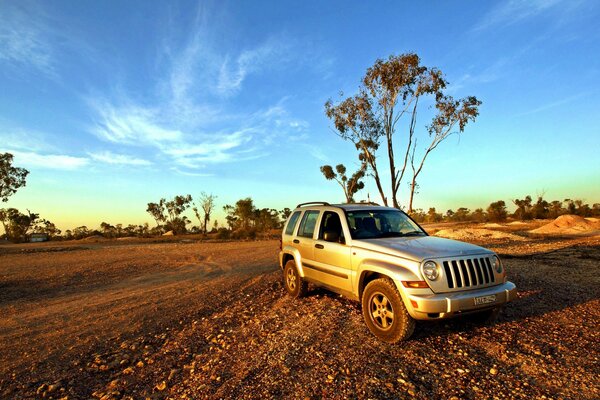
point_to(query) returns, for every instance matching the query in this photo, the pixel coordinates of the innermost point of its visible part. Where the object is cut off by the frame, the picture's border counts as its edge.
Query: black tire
(384, 312)
(295, 286)
(487, 317)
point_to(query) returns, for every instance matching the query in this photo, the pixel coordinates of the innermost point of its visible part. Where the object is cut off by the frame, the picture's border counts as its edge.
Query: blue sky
(113, 104)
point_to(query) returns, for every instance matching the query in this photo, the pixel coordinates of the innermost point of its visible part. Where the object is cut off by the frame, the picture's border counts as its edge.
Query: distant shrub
(496, 211)
(223, 233)
(244, 233)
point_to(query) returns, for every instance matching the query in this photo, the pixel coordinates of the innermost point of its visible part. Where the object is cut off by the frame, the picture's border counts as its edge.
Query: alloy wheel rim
(291, 279)
(381, 311)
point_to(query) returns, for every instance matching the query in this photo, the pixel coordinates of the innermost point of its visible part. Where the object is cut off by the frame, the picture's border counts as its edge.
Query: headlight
(430, 270)
(497, 264)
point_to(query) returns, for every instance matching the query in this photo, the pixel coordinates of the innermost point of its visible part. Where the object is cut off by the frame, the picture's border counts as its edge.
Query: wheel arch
(290, 253)
(375, 269)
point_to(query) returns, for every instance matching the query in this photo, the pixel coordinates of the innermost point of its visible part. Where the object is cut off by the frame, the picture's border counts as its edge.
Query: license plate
(485, 299)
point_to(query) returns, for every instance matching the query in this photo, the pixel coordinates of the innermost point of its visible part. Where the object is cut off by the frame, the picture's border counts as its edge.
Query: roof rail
(370, 203)
(324, 203)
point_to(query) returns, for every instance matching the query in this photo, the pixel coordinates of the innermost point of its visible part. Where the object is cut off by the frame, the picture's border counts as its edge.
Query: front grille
(469, 272)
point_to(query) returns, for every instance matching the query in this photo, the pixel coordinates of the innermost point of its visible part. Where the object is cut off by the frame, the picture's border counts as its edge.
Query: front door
(332, 258)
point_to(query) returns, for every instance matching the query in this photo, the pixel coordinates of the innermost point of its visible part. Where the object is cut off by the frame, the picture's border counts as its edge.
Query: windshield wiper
(398, 234)
(390, 234)
(413, 233)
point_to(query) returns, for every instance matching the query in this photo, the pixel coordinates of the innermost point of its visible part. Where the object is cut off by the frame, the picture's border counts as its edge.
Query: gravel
(244, 338)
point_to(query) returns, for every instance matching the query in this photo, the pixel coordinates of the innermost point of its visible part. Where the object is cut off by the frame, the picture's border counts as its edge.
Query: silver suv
(382, 258)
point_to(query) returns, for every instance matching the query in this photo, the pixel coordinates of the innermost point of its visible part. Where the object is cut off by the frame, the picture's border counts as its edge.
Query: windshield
(375, 224)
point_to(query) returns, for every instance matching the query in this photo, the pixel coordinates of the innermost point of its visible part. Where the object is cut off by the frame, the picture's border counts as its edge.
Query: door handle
(319, 246)
(296, 241)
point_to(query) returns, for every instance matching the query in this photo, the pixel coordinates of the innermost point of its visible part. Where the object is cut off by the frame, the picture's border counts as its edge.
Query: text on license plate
(485, 299)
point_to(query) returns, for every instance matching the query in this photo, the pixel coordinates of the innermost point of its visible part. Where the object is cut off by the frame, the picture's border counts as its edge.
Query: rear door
(290, 228)
(304, 239)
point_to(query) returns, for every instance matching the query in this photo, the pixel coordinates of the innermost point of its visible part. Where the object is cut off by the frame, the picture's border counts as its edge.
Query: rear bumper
(444, 305)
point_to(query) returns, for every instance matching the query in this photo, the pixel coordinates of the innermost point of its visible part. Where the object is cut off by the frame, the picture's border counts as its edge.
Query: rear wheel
(294, 284)
(385, 313)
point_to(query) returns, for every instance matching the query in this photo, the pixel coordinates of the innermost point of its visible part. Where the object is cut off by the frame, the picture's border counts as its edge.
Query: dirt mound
(492, 225)
(170, 233)
(476, 234)
(94, 238)
(569, 224)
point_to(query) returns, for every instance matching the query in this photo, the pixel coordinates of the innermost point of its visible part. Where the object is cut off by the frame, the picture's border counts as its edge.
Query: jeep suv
(382, 258)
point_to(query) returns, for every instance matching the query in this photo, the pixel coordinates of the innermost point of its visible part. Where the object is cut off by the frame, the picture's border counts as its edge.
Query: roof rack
(324, 203)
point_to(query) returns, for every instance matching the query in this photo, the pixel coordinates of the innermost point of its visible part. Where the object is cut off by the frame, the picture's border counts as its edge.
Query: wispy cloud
(232, 74)
(15, 137)
(49, 161)
(131, 125)
(194, 146)
(317, 152)
(513, 11)
(192, 121)
(24, 37)
(553, 104)
(118, 159)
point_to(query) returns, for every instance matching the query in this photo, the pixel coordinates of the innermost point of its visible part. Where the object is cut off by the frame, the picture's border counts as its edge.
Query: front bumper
(444, 305)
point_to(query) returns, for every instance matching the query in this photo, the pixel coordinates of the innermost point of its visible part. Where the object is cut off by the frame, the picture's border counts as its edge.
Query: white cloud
(193, 146)
(232, 74)
(118, 159)
(513, 11)
(553, 104)
(51, 161)
(24, 37)
(191, 121)
(17, 138)
(132, 125)
(188, 173)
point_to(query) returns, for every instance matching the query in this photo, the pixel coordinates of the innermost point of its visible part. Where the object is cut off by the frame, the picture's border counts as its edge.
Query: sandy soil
(157, 320)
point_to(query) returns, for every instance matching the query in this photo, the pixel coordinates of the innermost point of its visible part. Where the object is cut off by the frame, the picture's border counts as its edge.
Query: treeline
(243, 220)
(525, 210)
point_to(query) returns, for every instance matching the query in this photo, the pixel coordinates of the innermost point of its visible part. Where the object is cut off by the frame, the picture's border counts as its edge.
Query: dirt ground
(186, 319)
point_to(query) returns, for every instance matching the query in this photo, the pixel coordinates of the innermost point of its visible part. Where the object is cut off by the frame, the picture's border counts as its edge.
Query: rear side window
(289, 229)
(307, 226)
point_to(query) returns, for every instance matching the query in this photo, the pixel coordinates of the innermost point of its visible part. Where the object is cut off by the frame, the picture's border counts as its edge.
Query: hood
(420, 248)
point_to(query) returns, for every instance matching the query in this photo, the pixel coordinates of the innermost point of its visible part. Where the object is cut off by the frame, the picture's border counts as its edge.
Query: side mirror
(331, 236)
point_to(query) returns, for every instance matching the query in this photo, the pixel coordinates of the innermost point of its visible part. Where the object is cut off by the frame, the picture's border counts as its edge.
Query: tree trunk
(372, 163)
(379, 187)
(412, 194)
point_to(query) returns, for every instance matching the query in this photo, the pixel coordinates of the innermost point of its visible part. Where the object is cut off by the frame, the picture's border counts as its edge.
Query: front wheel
(294, 284)
(385, 313)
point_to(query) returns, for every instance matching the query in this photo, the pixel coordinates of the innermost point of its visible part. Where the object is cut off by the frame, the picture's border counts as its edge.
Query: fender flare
(394, 271)
(292, 251)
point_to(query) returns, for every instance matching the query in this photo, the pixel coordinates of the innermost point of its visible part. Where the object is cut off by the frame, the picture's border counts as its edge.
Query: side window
(289, 229)
(331, 222)
(307, 226)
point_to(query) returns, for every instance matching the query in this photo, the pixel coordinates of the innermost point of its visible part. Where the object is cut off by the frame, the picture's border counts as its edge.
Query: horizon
(112, 107)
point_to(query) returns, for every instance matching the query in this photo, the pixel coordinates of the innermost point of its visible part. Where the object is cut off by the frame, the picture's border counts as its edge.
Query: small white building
(39, 237)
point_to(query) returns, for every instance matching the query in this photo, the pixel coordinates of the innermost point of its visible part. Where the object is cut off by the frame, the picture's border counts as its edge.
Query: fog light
(430, 270)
